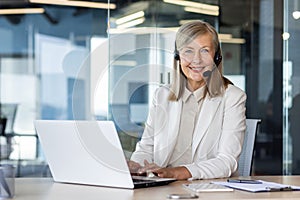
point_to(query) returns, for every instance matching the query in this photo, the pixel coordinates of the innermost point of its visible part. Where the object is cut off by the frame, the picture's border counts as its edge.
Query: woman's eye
(188, 51)
(204, 51)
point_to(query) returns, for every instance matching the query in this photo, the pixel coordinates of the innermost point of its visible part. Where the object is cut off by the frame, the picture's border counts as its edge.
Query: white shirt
(192, 102)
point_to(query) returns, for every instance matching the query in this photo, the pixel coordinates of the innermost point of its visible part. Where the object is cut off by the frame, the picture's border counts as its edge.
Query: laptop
(88, 152)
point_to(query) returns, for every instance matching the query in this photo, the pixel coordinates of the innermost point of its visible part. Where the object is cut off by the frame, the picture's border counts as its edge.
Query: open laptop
(88, 152)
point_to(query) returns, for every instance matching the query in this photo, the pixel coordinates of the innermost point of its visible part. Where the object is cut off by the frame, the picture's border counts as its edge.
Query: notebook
(88, 152)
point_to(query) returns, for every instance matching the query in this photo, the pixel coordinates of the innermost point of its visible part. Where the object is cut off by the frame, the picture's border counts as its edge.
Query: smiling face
(196, 58)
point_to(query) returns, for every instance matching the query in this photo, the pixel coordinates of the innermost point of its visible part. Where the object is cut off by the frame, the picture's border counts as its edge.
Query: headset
(217, 56)
(176, 53)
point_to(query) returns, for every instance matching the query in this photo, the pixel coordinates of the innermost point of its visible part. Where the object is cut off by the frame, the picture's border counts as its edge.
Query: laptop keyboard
(141, 181)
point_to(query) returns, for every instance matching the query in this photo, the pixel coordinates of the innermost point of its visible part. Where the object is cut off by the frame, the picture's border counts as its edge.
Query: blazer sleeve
(233, 125)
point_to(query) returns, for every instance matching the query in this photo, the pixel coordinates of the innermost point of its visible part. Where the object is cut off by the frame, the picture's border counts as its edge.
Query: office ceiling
(232, 12)
(167, 12)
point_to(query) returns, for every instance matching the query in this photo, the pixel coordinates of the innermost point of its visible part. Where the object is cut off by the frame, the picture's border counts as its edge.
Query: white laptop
(88, 152)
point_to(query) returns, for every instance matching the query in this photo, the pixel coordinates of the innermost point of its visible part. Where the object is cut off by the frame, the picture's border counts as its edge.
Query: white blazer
(217, 139)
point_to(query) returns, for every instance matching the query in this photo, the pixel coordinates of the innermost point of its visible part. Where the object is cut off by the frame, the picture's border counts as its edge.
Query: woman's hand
(133, 166)
(136, 169)
(148, 167)
(179, 173)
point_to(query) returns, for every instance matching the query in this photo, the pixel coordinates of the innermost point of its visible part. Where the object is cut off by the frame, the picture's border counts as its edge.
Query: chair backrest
(246, 157)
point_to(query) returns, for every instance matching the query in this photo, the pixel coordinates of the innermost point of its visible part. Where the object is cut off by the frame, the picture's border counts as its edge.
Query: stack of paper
(263, 186)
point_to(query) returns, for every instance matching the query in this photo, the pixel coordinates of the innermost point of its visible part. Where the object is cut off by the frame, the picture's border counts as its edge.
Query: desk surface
(45, 188)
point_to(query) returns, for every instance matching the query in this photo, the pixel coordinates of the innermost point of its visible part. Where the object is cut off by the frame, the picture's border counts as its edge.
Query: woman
(195, 128)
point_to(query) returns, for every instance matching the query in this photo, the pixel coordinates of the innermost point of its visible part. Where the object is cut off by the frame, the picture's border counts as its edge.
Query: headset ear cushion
(176, 56)
(217, 58)
(176, 53)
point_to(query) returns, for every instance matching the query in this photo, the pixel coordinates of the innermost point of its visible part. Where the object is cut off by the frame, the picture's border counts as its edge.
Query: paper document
(263, 187)
(206, 187)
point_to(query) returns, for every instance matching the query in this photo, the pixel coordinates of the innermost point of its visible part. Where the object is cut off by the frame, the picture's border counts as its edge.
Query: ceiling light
(193, 4)
(233, 41)
(143, 30)
(296, 14)
(132, 23)
(285, 36)
(14, 11)
(224, 36)
(130, 17)
(184, 21)
(227, 38)
(127, 63)
(87, 4)
(202, 11)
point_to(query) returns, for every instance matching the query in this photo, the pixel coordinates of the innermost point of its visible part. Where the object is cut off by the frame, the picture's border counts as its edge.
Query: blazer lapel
(206, 115)
(173, 128)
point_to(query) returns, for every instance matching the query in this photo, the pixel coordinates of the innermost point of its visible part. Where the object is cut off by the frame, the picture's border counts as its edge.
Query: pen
(248, 181)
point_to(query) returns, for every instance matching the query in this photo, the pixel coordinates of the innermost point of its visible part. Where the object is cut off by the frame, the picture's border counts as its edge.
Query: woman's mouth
(196, 69)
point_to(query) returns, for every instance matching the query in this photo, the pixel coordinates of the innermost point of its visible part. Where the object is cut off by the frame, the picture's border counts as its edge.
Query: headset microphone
(209, 72)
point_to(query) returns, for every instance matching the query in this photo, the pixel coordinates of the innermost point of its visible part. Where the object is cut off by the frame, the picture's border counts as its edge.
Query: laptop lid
(86, 152)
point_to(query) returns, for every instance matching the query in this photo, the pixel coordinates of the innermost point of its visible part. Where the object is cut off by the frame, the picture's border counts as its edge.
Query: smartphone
(182, 196)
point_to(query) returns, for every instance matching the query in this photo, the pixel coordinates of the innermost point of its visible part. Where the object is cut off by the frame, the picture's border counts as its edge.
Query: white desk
(45, 188)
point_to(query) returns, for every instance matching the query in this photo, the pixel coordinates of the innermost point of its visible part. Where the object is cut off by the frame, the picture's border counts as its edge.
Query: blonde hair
(185, 35)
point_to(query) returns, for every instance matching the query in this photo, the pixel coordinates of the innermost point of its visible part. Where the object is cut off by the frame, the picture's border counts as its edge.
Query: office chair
(246, 157)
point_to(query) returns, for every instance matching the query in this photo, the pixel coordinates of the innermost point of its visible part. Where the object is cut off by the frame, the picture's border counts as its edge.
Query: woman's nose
(197, 58)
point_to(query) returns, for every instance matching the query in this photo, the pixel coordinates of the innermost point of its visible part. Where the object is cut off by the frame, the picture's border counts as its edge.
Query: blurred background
(102, 60)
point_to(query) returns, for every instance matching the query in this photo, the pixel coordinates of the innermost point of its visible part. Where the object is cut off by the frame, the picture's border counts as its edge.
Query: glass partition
(141, 50)
(140, 60)
(291, 87)
(44, 74)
